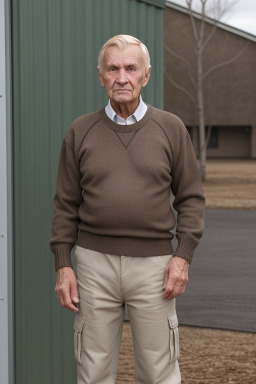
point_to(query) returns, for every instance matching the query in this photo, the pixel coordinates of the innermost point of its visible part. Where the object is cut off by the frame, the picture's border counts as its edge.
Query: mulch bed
(207, 356)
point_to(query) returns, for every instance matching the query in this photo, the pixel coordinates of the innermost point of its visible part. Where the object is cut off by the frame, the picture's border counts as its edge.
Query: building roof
(156, 3)
(221, 25)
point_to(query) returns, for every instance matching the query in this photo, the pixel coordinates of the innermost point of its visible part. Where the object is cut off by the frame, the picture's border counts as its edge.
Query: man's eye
(130, 69)
(112, 69)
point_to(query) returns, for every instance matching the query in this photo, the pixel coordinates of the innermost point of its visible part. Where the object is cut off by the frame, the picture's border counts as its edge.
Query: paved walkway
(221, 292)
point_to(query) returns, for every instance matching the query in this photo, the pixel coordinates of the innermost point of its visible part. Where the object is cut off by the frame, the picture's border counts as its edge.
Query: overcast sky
(243, 15)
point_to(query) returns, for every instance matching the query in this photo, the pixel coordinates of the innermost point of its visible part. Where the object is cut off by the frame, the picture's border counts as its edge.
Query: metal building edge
(7, 373)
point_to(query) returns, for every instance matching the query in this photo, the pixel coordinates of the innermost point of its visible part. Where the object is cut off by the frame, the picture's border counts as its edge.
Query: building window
(214, 137)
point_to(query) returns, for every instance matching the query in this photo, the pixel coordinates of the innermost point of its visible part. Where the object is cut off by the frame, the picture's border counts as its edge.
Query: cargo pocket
(174, 337)
(78, 326)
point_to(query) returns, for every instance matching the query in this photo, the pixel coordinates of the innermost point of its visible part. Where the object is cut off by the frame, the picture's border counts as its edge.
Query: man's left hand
(176, 277)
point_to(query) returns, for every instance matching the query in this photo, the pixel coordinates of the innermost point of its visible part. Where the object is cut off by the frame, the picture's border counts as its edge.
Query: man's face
(123, 74)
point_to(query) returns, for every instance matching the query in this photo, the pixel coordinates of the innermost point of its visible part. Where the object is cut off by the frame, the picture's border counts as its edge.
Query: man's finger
(166, 276)
(174, 287)
(177, 291)
(74, 293)
(69, 305)
(64, 296)
(65, 299)
(169, 289)
(67, 302)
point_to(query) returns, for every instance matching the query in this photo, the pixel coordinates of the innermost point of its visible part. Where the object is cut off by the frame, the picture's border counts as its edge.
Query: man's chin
(123, 99)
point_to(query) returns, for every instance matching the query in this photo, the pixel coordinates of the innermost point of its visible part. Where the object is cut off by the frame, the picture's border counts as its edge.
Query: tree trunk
(200, 111)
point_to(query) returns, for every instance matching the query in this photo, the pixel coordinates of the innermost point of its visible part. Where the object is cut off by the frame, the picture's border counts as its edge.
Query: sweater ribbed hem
(62, 255)
(124, 245)
(185, 249)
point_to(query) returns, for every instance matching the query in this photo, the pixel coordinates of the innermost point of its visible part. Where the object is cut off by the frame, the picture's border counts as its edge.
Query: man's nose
(122, 78)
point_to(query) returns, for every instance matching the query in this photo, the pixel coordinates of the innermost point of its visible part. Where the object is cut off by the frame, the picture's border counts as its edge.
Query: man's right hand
(66, 288)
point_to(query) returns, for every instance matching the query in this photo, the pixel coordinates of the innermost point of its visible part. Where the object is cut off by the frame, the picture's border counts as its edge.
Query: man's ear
(147, 77)
(101, 78)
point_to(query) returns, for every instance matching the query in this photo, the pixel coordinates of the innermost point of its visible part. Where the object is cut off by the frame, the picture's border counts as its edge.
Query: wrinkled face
(124, 73)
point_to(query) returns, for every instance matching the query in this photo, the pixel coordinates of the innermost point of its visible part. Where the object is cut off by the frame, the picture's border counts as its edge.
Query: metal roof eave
(156, 3)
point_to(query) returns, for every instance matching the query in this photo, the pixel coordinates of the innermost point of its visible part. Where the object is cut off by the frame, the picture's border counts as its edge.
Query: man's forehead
(132, 54)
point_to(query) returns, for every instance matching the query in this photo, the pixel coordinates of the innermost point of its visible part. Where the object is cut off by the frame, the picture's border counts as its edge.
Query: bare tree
(216, 9)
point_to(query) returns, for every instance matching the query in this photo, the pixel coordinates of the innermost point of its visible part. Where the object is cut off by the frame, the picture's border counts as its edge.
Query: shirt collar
(137, 115)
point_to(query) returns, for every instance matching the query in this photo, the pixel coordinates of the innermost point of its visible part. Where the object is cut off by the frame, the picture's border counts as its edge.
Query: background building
(229, 92)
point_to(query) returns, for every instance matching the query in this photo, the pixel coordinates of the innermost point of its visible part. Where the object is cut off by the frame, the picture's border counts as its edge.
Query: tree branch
(220, 8)
(217, 11)
(180, 88)
(195, 33)
(230, 61)
(203, 2)
(210, 35)
(185, 63)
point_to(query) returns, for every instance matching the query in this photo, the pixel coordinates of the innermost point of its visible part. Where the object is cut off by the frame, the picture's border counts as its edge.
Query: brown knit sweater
(114, 183)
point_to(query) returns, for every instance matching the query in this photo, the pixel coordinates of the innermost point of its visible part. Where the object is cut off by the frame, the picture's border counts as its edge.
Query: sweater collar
(126, 128)
(136, 116)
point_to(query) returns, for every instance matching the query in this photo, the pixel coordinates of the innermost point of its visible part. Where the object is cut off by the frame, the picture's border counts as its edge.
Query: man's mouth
(122, 90)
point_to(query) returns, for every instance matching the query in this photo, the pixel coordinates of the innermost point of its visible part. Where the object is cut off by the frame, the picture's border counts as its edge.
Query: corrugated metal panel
(55, 47)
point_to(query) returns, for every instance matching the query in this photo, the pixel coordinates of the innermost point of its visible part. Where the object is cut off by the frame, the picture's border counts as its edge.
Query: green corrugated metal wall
(55, 47)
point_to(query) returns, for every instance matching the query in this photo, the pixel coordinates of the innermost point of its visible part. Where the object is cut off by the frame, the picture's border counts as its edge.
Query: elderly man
(116, 170)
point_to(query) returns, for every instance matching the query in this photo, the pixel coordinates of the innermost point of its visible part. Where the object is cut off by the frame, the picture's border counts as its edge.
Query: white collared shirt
(135, 117)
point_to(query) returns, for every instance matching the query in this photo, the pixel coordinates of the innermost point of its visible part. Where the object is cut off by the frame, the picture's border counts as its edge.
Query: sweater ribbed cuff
(185, 249)
(62, 255)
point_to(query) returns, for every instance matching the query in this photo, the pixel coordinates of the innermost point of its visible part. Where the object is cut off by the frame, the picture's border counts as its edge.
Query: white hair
(122, 42)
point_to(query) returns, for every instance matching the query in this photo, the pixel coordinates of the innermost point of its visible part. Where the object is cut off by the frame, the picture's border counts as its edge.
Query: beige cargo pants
(105, 282)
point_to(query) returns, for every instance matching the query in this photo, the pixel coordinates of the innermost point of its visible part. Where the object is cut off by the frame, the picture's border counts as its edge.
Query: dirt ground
(230, 184)
(210, 356)
(207, 356)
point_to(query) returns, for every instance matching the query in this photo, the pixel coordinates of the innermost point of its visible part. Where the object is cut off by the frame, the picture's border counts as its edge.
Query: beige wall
(229, 92)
